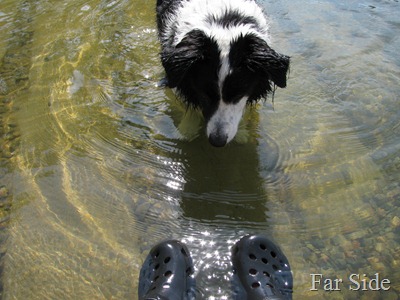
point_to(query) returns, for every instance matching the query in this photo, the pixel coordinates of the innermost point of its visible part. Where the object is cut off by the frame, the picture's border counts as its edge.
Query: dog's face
(221, 76)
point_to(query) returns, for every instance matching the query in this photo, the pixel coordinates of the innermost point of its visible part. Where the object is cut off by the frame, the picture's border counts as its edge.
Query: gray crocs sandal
(261, 270)
(166, 273)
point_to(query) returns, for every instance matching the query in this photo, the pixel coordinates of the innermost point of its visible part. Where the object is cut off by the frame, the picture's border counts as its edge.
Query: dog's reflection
(225, 185)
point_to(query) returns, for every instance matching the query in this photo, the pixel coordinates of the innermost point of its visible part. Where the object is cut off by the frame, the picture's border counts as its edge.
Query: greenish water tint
(98, 163)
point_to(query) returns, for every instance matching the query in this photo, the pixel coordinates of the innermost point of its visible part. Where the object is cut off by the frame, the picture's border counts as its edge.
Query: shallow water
(98, 163)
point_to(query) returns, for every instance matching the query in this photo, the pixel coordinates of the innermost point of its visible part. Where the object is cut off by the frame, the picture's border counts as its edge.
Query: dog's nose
(217, 139)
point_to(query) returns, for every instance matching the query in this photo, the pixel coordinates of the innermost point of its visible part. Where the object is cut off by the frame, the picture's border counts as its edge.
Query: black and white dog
(216, 55)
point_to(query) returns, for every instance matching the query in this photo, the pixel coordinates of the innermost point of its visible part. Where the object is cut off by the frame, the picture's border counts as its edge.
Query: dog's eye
(236, 87)
(234, 95)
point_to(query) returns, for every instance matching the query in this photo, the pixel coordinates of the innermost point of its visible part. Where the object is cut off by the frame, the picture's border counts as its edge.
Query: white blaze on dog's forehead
(227, 118)
(223, 71)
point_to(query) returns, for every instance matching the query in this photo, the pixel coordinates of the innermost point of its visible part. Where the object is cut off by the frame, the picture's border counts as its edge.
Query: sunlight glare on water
(102, 163)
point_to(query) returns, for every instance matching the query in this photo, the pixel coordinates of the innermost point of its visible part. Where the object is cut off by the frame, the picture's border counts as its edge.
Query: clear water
(98, 167)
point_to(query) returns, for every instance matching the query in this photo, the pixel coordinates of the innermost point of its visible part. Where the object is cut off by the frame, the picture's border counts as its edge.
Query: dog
(217, 58)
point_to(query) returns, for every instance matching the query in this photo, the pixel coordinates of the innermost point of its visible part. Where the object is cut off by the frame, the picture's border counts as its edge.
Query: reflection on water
(99, 163)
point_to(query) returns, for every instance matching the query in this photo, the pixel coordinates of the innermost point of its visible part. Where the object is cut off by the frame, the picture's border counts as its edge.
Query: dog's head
(220, 77)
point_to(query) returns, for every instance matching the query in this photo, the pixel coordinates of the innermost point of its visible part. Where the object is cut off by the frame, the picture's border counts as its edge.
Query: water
(98, 163)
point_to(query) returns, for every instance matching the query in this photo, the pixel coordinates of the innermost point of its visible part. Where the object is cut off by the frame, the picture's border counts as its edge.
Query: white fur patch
(193, 15)
(227, 118)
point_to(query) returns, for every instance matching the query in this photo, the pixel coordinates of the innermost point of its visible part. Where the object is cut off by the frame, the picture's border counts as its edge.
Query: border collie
(217, 57)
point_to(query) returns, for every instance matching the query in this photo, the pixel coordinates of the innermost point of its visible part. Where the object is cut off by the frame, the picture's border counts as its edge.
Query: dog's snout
(218, 139)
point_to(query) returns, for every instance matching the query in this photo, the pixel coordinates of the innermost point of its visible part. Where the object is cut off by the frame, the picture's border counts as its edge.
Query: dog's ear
(194, 48)
(275, 65)
(253, 53)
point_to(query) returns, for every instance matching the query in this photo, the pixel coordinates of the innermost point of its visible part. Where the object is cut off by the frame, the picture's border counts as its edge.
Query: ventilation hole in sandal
(168, 274)
(255, 285)
(252, 257)
(156, 266)
(266, 274)
(156, 278)
(263, 247)
(264, 260)
(253, 272)
(274, 267)
(167, 259)
(153, 288)
(157, 254)
(183, 251)
(188, 271)
(269, 286)
(273, 254)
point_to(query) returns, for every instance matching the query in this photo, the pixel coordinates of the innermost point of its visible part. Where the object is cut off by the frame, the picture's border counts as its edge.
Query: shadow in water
(225, 185)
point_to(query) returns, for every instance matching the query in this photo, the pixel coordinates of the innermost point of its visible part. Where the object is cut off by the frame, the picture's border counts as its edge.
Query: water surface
(98, 163)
